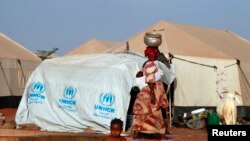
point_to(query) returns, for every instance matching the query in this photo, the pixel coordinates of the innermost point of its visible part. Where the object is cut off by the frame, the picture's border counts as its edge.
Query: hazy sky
(65, 24)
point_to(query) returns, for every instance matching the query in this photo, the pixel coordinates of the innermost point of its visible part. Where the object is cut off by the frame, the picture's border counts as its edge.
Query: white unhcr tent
(16, 65)
(77, 92)
(202, 57)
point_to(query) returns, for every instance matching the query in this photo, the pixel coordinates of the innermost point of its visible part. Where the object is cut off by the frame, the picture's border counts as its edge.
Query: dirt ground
(178, 133)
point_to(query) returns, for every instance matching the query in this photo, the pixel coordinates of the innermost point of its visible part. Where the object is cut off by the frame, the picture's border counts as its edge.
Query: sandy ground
(178, 133)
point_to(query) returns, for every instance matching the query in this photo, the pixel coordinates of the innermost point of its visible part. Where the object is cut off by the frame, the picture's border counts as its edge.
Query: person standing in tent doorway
(147, 107)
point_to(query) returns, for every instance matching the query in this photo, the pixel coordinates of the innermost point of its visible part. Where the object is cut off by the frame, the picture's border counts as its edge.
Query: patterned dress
(148, 117)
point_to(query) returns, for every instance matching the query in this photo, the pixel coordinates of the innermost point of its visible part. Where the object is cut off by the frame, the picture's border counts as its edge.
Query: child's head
(116, 127)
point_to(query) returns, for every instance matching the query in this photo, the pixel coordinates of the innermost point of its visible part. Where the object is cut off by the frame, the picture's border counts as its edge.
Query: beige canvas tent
(202, 57)
(16, 65)
(92, 47)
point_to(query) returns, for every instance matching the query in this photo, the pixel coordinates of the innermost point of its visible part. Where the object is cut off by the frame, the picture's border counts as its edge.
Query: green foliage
(43, 54)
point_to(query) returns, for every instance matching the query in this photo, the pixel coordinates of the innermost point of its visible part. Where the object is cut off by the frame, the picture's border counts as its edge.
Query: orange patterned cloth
(148, 117)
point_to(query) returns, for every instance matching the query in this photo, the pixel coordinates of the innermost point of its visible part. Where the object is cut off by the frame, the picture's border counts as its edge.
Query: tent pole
(127, 47)
(19, 62)
(5, 78)
(170, 111)
(238, 63)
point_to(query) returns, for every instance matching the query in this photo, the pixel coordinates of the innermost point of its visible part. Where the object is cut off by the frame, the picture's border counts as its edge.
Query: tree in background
(44, 54)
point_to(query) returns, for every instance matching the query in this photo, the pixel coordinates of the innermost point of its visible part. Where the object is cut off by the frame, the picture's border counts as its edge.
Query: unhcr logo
(38, 87)
(107, 99)
(105, 109)
(68, 102)
(69, 92)
(35, 94)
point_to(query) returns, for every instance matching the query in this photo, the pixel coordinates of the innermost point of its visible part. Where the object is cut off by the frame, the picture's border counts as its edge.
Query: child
(116, 128)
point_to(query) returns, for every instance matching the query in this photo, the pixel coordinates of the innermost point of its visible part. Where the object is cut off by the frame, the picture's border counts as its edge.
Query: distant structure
(93, 46)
